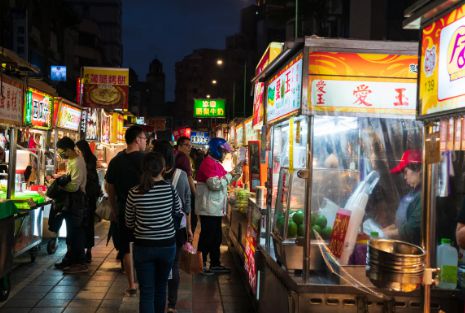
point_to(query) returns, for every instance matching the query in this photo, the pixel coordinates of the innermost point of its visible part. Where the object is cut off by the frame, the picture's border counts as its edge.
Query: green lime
(301, 230)
(317, 229)
(326, 232)
(291, 229)
(298, 217)
(321, 221)
(314, 217)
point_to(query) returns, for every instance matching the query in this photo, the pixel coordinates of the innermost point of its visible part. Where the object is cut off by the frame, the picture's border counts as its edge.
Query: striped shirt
(150, 214)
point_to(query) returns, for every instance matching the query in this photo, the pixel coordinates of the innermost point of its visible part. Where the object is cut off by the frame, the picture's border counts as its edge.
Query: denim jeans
(153, 265)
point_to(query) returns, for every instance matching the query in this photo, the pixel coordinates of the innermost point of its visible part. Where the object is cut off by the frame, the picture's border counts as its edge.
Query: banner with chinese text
(442, 72)
(38, 109)
(258, 105)
(362, 83)
(11, 101)
(284, 91)
(68, 116)
(209, 108)
(105, 88)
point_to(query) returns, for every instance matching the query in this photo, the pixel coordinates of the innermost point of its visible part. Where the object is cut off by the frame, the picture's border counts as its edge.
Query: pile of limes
(319, 225)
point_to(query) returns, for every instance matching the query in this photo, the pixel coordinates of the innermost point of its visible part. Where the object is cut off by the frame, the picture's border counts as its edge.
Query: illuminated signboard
(442, 72)
(363, 83)
(284, 91)
(258, 98)
(91, 121)
(69, 117)
(11, 101)
(105, 127)
(199, 138)
(38, 109)
(209, 108)
(58, 73)
(106, 88)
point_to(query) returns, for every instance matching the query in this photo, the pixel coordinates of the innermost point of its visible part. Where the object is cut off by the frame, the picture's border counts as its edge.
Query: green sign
(212, 108)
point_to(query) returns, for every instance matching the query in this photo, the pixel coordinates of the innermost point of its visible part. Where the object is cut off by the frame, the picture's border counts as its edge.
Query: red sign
(106, 88)
(258, 105)
(182, 132)
(11, 100)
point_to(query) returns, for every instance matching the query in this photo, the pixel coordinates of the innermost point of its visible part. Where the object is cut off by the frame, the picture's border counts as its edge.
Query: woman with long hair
(93, 192)
(150, 209)
(178, 179)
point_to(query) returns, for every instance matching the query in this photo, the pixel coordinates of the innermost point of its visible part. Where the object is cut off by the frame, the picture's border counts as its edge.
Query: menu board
(38, 109)
(249, 131)
(69, 117)
(284, 91)
(442, 72)
(11, 100)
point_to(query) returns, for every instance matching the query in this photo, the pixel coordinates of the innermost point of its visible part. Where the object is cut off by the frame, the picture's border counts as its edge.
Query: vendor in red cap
(407, 226)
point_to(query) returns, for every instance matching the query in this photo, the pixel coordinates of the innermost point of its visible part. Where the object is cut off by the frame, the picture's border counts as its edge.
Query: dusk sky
(169, 30)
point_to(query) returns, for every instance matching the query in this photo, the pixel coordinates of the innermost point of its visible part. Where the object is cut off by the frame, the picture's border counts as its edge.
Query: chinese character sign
(442, 72)
(69, 117)
(105, 87)
(199, 138)
(11, 101)
(209, 108)
(258, 98)
(284, 90)
(38, 109)
(394, 98)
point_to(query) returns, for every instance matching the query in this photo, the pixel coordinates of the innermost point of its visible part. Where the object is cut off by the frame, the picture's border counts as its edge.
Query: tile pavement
(40, 288)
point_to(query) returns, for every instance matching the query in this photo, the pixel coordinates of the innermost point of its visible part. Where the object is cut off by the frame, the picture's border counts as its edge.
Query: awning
(10, 59)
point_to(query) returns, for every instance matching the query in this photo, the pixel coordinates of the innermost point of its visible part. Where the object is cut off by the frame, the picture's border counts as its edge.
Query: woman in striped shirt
(149, 212)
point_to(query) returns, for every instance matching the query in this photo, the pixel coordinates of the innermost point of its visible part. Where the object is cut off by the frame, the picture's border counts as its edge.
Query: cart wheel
(4, 287)
(52, 246)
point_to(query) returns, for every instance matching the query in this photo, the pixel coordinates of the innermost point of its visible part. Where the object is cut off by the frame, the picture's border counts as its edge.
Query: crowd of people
(156, 194)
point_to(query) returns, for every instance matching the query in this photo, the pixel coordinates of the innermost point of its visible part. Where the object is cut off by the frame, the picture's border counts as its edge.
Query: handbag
(190, 260)
(103, 210)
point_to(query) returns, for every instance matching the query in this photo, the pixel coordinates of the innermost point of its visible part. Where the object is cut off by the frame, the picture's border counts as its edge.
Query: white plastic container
(447, 260)
(356, 204)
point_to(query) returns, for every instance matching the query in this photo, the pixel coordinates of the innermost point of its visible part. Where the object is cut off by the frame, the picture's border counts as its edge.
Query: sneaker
(63, 264)
(131, 292)
(220, 269)
(206, 272)
(171, 310)
(76, 269)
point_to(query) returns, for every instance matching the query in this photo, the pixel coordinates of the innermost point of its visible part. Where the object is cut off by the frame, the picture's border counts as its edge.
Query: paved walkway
(38, 287)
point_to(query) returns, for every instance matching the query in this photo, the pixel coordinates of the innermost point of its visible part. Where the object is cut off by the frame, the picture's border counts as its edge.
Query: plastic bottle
(356, 205)
(447, 259)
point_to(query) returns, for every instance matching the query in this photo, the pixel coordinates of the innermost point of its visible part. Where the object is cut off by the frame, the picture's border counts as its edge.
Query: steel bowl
(395, 282)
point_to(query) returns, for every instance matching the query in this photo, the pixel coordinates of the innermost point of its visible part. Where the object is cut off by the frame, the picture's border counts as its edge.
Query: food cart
(21, 208)
(441, 109)
(341, 114)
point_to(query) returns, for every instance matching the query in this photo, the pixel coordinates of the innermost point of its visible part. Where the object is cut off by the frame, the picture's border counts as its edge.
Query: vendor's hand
(190, 236)
(391, 231)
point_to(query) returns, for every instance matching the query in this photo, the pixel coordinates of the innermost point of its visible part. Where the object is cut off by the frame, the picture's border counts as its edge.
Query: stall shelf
(341, 113)
(441, 109)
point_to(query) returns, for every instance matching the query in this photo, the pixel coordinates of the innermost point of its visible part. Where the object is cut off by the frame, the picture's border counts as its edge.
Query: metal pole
(10, 191)
(245, 88)
(308, 199)
(427, 190)
(296, 30)
(234, 100)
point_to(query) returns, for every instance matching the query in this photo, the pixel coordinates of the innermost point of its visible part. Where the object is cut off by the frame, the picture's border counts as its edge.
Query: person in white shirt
(76, 211)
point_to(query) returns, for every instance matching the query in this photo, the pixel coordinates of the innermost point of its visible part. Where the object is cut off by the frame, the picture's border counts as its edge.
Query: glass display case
(359, 186)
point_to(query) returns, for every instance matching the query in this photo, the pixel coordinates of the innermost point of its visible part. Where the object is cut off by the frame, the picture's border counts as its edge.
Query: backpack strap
(176, 175)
